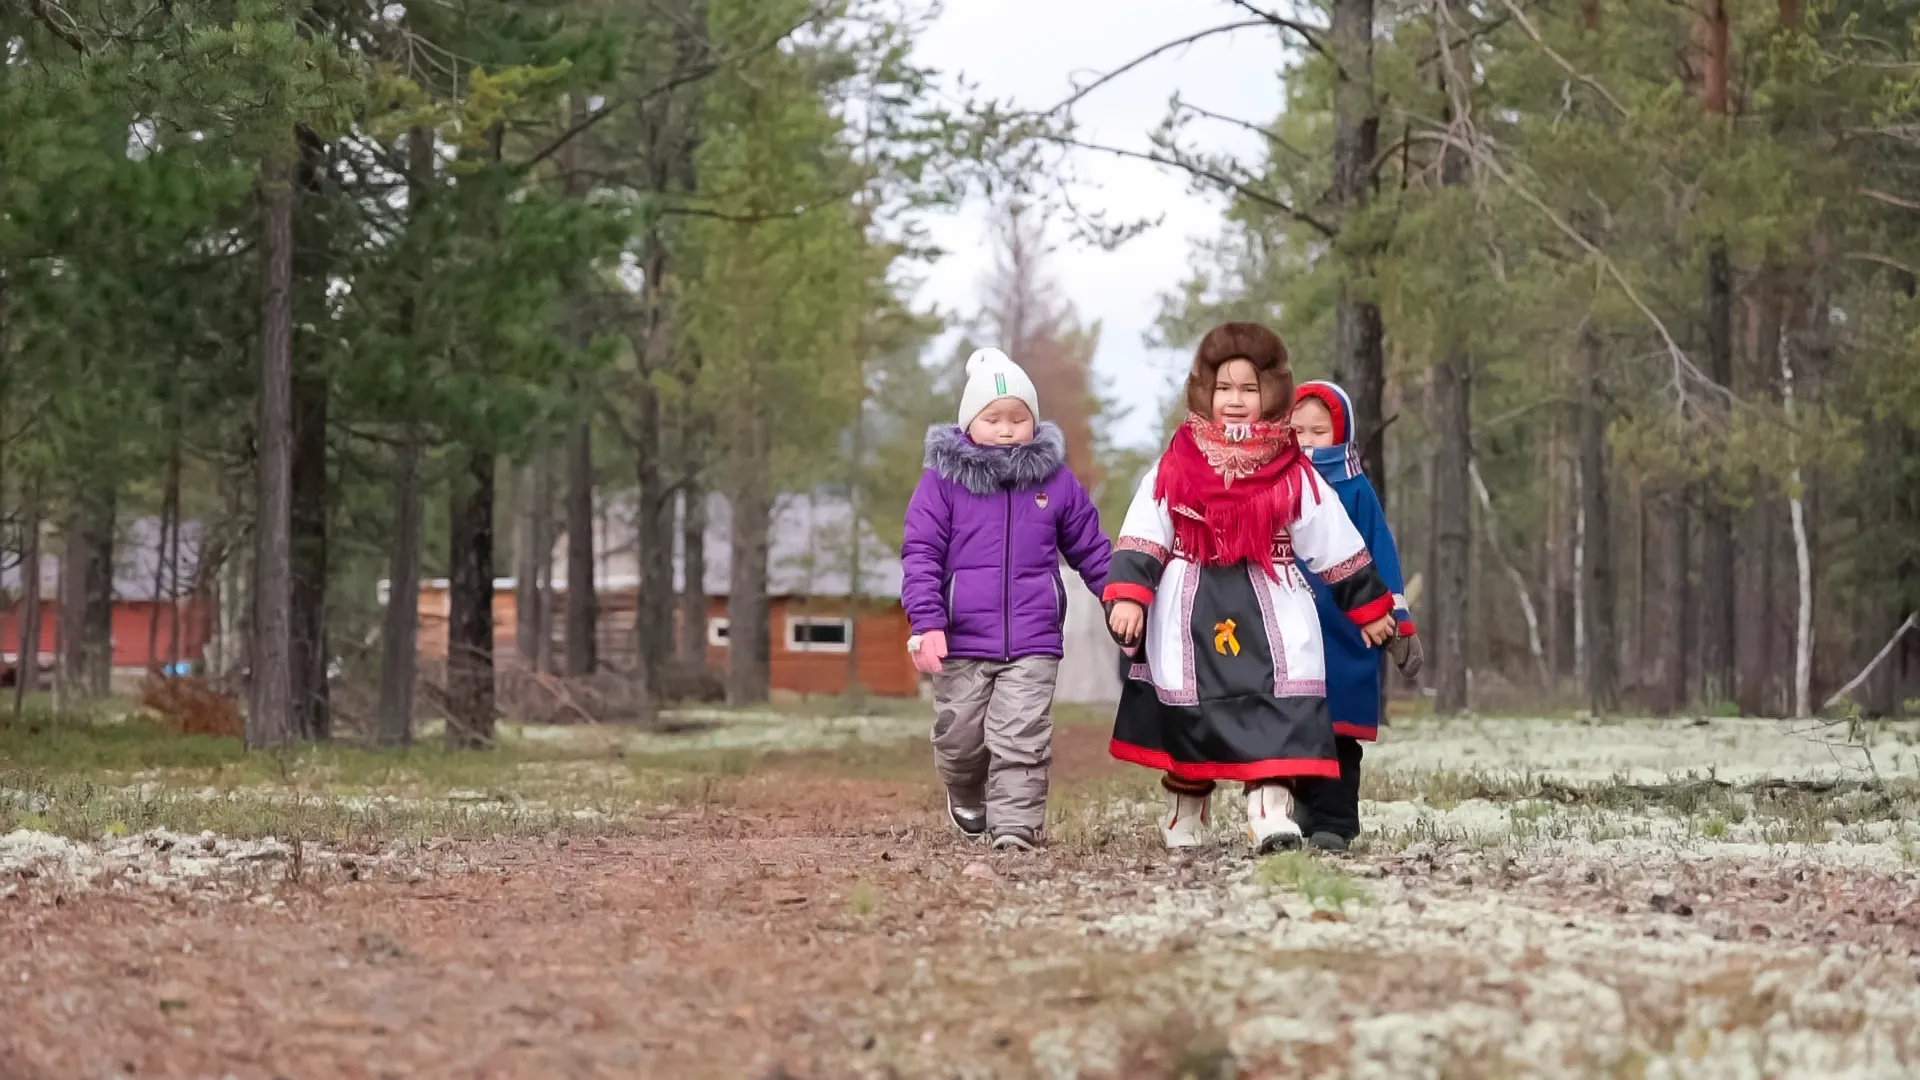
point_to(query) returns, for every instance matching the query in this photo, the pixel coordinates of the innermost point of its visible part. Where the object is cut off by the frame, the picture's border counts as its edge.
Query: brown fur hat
(1258, 346)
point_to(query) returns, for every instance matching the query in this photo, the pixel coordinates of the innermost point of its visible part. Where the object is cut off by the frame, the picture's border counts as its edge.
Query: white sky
(1032, 51)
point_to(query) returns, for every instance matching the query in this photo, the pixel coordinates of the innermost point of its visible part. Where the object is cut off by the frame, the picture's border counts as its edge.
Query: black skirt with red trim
(1236, 722)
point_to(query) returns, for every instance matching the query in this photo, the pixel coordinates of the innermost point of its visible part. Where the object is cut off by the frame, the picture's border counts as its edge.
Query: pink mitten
(932, 650)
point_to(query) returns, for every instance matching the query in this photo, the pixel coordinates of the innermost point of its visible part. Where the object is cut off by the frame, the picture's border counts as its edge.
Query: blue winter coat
(1353, 669)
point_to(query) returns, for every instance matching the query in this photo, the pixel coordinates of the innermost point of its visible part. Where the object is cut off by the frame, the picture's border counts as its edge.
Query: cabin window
(819, 635)
(718, 633)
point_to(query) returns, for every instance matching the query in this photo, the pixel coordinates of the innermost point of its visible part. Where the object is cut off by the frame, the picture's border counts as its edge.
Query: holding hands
(1127, 622)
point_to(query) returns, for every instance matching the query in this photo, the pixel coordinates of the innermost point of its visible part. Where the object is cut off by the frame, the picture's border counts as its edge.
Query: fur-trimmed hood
(984, 470)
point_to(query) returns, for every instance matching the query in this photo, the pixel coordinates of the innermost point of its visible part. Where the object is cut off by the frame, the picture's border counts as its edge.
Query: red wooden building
(139, 596)
(814, 621)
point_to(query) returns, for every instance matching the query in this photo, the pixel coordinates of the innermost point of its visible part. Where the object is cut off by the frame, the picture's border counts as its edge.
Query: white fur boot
(1270, 823)
(1186, 820)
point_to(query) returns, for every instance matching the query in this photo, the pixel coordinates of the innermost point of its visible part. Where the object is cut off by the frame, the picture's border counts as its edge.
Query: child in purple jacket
(986, 529)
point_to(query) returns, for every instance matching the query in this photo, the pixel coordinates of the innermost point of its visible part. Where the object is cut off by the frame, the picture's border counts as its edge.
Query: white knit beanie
(992, 375)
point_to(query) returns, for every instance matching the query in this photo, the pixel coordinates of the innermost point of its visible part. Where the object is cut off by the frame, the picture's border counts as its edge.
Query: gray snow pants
(993, 736)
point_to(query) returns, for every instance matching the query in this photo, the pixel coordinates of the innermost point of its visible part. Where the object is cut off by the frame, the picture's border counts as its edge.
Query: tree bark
(1359, 363)
(1596, 555)
(270, 718)
(28, 675)
(169, 528)
(750, 644)
(1452, 530)
(693, 564)
(1452, 495)
(312, 715)
(1758, 661)
(534, 551)
(583, 600)
(312, 265)
(1669, 599)
(399, 634)
(470, 668)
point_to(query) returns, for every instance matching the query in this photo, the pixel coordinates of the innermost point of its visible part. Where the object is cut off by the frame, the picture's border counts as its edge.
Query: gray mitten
(1407, 654)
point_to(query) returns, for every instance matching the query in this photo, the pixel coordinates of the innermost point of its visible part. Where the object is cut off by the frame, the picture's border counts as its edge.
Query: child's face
(1236, 393)
(1006, 422)
(1312, 424)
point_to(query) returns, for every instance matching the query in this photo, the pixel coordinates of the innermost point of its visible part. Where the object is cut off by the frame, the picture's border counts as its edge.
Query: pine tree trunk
(470, 668)
(750, 646)
(653, 540)
(28, 676)
(1452, 497)
(693, 568)
(855, 567)
(1758, 541)
(270, 720)
(1453, 532)
(1716, 570)
(399, 634)
(311, 701)
(1359, 360)
(583, 599)
(583, 603)
(534, 550)
(1596, 556)
(1669, 600)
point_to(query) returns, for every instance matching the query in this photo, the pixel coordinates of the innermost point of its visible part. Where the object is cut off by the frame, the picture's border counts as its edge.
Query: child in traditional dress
(1230, 682)
(1323, 426)
(995, 511)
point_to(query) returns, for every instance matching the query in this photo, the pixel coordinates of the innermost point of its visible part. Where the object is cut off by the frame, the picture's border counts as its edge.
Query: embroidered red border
(1144, 547)
(1347, 567)
(1270, 769)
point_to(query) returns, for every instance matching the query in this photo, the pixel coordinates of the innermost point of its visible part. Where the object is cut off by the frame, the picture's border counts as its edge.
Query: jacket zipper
(1006, 583)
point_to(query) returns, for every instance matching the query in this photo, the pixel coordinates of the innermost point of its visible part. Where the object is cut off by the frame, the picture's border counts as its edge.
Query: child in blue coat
(1323, 424)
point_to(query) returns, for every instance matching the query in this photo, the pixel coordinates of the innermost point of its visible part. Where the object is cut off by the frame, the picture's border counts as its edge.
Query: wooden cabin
(815, 621)
(144, 601)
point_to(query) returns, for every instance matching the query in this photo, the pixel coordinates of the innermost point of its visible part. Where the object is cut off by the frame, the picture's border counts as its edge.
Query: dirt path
(823, 926)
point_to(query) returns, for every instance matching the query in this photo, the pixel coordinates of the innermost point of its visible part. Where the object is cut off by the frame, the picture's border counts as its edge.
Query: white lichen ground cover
(1707, 899)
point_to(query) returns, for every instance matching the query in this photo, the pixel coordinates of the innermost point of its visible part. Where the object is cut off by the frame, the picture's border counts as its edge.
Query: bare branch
(1271, 202)
(1890, 200)
(1245, 125)
(1881, 260)
(1587, 80)
(1913, 620)
(1073, 99)
(1311, 35)
(1683, 364)
(43, 14)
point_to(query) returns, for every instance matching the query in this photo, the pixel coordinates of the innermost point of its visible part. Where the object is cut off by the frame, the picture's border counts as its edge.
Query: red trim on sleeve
(1356, 731)
(1368, 612)
(1405, 629)
(1127, 590)
(1271, 769)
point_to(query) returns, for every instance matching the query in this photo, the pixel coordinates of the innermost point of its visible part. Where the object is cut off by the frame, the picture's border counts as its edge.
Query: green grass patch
(1324, 886)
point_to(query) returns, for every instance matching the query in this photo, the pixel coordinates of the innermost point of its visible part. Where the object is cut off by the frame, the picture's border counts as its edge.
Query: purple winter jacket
(986, 530)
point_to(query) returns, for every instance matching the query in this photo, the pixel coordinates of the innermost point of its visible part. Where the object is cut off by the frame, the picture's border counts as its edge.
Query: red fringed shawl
(1231, 489)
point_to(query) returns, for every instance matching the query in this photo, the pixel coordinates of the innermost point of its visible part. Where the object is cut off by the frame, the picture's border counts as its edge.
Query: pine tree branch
(1565, 65)
(1683, 365)
(684, 77)
(43, 14)
(1191, 168)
